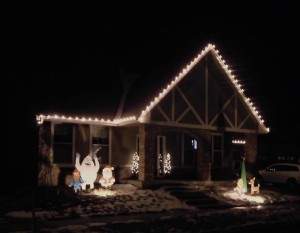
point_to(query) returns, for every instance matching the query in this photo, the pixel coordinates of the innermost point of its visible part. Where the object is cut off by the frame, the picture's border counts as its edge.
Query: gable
(207, 96)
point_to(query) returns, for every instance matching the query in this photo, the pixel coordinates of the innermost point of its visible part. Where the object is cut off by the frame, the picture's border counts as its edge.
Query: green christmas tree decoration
(243, 176)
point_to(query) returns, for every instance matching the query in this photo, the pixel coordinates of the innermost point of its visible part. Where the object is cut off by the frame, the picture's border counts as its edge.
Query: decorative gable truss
(205, 95)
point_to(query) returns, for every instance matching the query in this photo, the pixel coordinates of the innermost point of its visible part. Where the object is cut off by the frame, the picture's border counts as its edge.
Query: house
(200, 125)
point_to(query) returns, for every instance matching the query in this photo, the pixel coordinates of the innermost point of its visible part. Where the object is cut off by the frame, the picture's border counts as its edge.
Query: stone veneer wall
(146, 153)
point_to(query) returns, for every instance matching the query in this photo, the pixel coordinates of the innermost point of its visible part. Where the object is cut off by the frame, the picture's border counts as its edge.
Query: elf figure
(88, 169)
(76, 181)
(107, 179)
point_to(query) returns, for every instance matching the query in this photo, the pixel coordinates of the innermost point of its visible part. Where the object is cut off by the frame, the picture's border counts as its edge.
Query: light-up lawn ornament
(254, 189)
(239, 192)
(107, 179)
(239, 189)
(135, 164)
(76, 181)
(88, 169)
(244, 176)
(241, 186)
(167, 166)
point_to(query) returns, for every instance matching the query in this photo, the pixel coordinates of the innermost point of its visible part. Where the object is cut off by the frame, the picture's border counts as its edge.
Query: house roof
(145, 94)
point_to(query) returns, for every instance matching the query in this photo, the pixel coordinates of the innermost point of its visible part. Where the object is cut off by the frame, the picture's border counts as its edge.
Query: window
(100, 138)
(63, 144)
(217, 150)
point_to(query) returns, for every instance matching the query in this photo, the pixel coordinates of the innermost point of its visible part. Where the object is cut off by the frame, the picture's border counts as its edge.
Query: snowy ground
(123, 199)
(129, 209)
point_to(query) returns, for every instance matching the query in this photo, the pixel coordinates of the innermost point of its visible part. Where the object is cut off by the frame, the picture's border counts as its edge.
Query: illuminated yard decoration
(239, 189)
(254, 189)
(107, 179)
(244, 177)
(167, 166)
(76, 181)
(135, 163)
(88, 169)
(239, 192)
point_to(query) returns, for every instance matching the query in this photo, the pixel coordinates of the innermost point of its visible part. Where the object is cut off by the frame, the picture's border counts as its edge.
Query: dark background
(59, 55)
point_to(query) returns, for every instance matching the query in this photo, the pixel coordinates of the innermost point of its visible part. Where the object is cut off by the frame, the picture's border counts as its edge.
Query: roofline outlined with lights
(141, 118)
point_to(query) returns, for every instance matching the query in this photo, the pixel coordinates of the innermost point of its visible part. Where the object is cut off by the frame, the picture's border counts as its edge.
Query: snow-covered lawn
(122, 199)
(126, 199)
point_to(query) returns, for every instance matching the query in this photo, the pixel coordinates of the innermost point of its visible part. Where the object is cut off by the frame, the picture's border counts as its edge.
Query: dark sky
(59, 53)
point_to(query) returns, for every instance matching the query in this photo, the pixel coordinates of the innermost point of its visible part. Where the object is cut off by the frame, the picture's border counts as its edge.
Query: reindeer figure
(254, 189)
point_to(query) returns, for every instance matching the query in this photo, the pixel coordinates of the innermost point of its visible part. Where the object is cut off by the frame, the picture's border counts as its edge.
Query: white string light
(165, 91)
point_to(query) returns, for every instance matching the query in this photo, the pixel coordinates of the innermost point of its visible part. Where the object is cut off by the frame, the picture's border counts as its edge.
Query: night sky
(66, 54)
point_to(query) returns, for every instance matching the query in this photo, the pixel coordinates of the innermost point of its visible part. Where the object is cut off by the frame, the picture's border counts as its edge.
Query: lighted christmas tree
(135, 164)
(243, 176)
(167, 165)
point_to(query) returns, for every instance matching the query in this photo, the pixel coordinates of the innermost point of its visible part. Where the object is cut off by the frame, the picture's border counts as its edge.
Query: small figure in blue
(76, 181)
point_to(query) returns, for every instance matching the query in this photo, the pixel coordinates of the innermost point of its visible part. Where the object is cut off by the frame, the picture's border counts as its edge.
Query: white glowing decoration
(238, 141)
(239, 194)
(167, 166)
(88, 169)
(135, 163)
(107, 179)
(239, 189)
(194, 144)
(104, 192)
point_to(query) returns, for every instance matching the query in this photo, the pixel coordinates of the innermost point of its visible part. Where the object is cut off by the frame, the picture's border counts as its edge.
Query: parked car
(281, 173)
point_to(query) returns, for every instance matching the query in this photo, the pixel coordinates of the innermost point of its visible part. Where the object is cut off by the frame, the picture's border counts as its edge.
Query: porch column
(146, 150)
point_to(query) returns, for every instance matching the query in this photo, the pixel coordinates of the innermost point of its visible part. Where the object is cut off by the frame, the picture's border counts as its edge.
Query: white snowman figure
(107, 179)
(88, 169)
